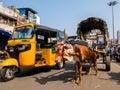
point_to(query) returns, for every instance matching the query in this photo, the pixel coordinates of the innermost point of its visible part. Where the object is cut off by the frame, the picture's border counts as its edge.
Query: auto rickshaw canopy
(40, 29)
(45, 35)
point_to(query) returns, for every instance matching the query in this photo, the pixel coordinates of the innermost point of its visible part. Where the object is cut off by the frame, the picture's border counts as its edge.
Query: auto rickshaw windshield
(22, 32)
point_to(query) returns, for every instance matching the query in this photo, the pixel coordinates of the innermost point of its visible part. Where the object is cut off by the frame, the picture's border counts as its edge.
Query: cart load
(95, 32)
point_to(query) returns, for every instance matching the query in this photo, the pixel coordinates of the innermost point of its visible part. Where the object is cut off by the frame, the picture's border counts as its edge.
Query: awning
(5, 33)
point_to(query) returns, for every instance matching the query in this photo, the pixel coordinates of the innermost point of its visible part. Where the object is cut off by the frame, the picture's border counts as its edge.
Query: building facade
(30, 15)
(8, 18)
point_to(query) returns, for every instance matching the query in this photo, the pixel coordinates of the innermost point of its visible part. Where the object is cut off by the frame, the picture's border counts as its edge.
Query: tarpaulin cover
(5, 33)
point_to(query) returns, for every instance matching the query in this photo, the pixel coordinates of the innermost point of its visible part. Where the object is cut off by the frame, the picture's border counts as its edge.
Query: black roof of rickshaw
(46, 28)
(40, 29)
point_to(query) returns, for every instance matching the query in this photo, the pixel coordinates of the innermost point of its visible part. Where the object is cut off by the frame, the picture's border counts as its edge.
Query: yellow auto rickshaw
(31, 45)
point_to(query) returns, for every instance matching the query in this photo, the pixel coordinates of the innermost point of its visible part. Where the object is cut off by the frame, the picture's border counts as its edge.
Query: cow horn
(65, 36)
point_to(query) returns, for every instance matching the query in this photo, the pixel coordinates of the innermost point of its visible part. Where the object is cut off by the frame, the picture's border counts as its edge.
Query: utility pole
(112, 4)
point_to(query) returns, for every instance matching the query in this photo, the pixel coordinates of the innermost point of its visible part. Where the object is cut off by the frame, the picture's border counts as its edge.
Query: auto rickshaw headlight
(10, 48)
(24, 47)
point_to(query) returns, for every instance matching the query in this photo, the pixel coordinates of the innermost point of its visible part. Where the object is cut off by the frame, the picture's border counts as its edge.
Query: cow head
(60, 47)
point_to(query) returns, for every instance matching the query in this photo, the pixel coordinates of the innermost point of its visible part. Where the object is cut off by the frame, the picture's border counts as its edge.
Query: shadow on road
(115, 76)
(32, 71)
(65, 75)
(59, 76)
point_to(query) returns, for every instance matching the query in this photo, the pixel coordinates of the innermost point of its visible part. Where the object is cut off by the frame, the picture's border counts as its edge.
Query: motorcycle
(117, 55)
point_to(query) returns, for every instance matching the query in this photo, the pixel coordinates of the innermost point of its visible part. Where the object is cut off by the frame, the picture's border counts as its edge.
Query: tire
(107, 64)
(7, 73)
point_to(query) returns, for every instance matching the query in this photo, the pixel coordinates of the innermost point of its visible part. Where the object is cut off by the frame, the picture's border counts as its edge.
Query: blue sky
(67, 14)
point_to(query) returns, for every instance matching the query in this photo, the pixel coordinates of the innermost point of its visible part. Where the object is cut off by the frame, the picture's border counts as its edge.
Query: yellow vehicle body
(30, 45)
(48, 58)
(10, 62)
(28, 57)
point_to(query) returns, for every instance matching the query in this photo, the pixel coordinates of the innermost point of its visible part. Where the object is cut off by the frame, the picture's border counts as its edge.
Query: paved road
(44, 79)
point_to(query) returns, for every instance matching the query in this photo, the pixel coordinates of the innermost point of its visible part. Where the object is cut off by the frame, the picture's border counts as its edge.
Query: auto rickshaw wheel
(8, 73)
(107, 64)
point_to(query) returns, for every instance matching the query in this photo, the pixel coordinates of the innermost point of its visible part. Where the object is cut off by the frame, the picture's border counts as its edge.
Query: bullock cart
(95, 32)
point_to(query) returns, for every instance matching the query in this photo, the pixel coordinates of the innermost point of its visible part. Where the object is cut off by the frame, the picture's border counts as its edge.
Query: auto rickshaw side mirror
(33, 32)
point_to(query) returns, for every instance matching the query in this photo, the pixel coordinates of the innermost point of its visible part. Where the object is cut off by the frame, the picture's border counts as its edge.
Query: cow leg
(95, 64)
(90, 68)
(76, 73)
(96, 68)
(80, 73)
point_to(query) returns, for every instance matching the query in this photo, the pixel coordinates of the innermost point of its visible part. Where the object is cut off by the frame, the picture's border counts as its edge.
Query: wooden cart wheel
(107, 64)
